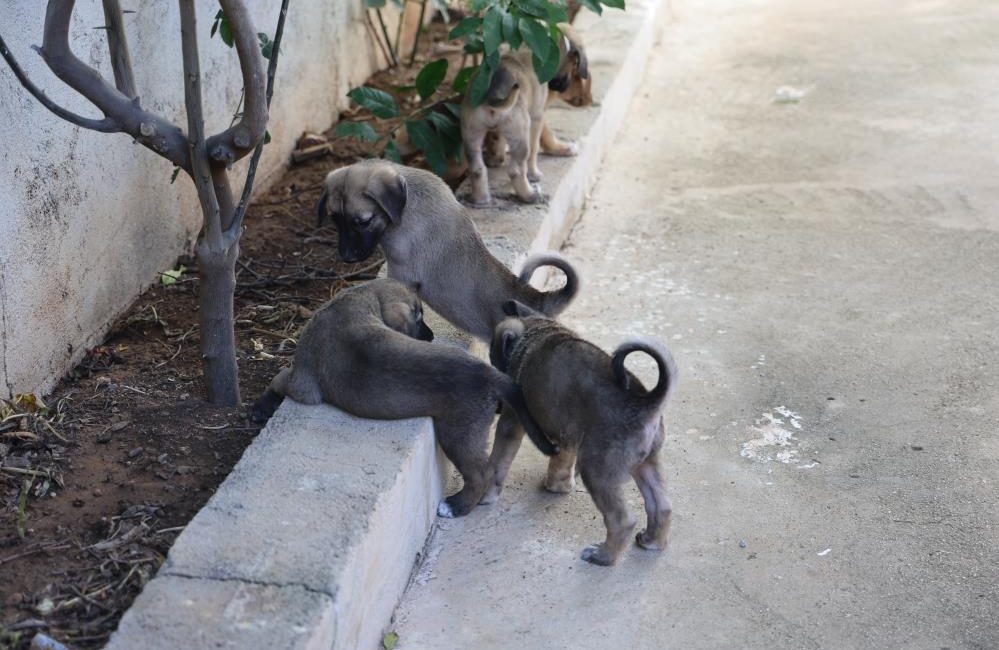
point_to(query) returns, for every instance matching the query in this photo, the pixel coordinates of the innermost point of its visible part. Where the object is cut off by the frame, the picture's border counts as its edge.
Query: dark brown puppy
(367, 352)
(597, 412)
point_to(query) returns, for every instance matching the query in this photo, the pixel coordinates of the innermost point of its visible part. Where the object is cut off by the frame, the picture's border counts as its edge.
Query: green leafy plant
(433, 126)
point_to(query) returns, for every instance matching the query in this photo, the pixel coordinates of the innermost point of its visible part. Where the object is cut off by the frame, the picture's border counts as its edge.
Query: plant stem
(419, 31)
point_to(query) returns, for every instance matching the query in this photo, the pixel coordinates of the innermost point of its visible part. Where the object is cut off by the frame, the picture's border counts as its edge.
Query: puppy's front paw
(647, 541)
(444, 510)
(534, 176)
(596, 554)
(478, 202)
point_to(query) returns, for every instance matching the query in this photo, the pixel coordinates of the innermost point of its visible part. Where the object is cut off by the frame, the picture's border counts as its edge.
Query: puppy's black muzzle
(559, 84)
(356, 247)
(425, 333)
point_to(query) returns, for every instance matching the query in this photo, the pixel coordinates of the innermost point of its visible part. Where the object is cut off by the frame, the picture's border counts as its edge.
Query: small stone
(135, 452)
(97, 492)
(917, 447)
(104, 437)
(742, 543)
(77, 503)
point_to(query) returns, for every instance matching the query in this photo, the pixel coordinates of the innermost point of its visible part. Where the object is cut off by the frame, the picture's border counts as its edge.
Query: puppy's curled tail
(513, 397)
(553, 303)
(503, 90)
(667, 368)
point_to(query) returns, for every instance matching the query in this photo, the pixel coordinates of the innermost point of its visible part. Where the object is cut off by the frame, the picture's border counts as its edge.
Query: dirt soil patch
(97, 481)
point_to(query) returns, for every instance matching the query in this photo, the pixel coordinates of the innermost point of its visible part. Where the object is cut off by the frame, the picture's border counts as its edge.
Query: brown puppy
(430, 244)
(514, 109)
(367, 352)
(599, 415)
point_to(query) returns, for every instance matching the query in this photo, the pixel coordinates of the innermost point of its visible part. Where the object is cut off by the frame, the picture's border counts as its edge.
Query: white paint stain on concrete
(775, 442)
(824, 553)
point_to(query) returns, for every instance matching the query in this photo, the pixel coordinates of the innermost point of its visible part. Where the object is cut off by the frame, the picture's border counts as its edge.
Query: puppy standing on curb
(599, 414)
(366, 352)
(430, 244)
(514, 108)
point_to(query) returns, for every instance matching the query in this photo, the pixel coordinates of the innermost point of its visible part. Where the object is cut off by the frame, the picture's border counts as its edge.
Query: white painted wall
(87, 220)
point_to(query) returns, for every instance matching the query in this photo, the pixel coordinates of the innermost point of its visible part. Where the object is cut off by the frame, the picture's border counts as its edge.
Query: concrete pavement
(822, 260)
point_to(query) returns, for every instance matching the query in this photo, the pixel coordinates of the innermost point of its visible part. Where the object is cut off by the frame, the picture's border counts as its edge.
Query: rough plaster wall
(87, 220)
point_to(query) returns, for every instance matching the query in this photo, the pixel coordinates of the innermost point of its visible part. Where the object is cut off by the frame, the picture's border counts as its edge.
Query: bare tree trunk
(205, 159)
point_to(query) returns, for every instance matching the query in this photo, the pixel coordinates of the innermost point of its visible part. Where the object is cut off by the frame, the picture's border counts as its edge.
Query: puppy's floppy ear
(582, 66)
(518, 309)
(387, 187)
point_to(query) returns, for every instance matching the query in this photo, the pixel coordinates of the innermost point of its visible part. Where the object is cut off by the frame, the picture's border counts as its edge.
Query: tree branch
(104, 126)
(239, 139)
(121, 62)
(244, 200)
(148, 129)
(200, 171)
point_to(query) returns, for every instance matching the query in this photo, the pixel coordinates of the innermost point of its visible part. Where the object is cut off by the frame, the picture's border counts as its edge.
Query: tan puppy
(599, 415)
(514, 109)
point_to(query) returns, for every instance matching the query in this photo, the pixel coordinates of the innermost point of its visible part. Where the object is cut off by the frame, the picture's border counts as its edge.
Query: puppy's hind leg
(551, 145)
(473, 139)
(509, 435)
(464, 443)
(517, 168)
(561, 473)
(266, 404)
(533, 173)
(657, 506)
(604, 482)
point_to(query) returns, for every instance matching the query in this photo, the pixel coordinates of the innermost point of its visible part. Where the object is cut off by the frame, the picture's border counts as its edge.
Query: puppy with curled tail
(430, 244)
(601, 417)
(367, 352)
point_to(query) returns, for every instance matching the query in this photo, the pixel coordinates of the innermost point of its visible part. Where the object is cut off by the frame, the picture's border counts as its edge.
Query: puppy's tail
(553, 303)
(503, 90)
(667, 369)
(513, 397)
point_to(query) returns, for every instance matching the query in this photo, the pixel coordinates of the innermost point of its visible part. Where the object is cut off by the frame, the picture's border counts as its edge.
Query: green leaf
(473, 44)
(492, 29)
(465, 27)
(380, 103)
(430, 77)
(614, 4)
(225, 31)
(536, 8)
(358, 130)
(479, 5)
(267, 137)
(510, 32)
(374, 4)
(215, 23)
(173, 176)
(171, 277)
(428, 141)
(556, 15)
(460, 83)
(389, 640)
(536, 36)
(546, 67)
(266, 45)
(480, 83)
(391, 152)
(593, 5)
(449, 131)
(453, 109)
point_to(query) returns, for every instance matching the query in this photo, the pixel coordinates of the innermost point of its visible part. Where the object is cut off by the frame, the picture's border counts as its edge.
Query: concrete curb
(311, 540)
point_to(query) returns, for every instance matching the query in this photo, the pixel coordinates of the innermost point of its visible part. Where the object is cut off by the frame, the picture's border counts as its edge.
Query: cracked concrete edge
(298, 550)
